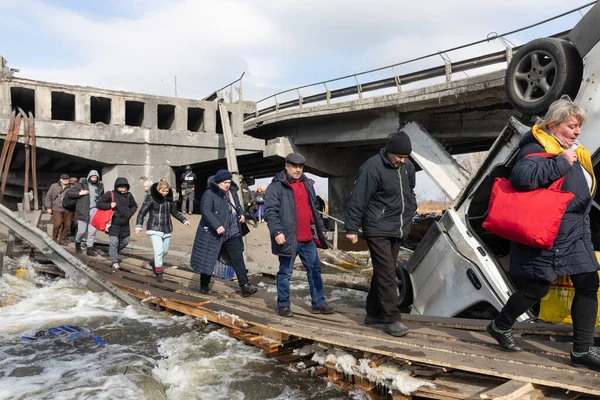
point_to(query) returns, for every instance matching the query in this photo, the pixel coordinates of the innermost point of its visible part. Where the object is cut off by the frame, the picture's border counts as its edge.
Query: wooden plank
(545, 370)
(511, 390)
(535, 328)
(451, 386)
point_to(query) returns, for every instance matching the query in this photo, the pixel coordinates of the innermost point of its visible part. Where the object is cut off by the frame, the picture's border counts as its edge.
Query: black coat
(572, 252)
(214, 208)
(126, 207)
(383, 200)
(161, 209)
(82, 209)
(281, 214)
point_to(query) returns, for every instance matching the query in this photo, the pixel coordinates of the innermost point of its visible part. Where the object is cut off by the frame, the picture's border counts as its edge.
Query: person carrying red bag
(572, 253)
(123, 204)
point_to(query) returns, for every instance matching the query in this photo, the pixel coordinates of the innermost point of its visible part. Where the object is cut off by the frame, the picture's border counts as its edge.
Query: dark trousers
(249, 210)
(382, 300)
(187, 205)
(61, 221)
(584, 309)
(235, 250)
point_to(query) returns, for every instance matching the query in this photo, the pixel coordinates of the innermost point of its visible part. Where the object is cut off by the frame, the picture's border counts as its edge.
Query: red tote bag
(531, 218)
(103, 217)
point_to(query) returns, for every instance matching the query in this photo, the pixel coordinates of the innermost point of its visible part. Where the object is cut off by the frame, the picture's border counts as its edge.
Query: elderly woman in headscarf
(572, 253)
(220, 228)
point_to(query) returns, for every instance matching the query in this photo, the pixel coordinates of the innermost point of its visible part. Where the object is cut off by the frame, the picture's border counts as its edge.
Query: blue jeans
(160, 245)
(310, 258)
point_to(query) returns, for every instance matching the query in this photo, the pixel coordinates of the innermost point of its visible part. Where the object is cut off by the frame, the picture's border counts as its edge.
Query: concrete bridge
(119, 133)
(141, 136)
(454, 117)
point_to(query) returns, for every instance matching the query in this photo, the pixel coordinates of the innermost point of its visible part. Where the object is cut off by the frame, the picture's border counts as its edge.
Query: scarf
(552, 145)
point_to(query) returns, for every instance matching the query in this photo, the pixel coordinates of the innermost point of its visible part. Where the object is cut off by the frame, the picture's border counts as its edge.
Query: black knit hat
(222, 175)
(399, 143)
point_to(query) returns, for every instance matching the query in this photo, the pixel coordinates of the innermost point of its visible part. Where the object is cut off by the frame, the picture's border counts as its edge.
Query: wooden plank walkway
(430, 341)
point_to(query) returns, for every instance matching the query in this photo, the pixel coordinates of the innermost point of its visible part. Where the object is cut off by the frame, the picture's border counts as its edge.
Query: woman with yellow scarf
(572, 253)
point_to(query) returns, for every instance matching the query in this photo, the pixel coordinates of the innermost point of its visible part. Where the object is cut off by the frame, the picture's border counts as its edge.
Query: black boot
(504, 338)
(248, 290)
(159, 277)
(77, 247)
(589, 359)
(90, 251)
(152, 265)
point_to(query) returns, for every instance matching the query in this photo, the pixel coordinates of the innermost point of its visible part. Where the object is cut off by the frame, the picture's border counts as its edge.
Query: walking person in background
(96, 190)
(383, 203)
(147, 185)
(159, 207)
(85, 193)
(295, 228)
(188, 190)
(73, 229)
(220, 228)
(124, 206)
(61, 218)
(572, 254)
(248, 200)
(80, 193)
(259, 201)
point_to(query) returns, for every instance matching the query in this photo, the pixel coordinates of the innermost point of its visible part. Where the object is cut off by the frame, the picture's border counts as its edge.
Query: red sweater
(303, 211)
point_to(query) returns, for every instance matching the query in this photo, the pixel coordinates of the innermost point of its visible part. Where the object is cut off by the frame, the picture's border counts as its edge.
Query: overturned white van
(458, 265)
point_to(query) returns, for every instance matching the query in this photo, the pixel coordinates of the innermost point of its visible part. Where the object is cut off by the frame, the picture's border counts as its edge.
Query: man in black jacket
(188, 190)
(383, 202)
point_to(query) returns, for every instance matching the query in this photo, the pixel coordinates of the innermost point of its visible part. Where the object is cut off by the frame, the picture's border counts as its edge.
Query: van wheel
(541, 72)
(403, 285)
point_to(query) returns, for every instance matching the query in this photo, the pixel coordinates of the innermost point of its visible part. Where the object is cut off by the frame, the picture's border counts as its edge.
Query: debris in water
(66, 334)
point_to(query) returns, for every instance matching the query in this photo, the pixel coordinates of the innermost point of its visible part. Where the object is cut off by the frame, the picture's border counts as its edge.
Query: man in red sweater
(292, 217)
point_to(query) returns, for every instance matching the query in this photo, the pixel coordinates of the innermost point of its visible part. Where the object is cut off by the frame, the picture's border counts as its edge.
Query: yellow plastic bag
(556, 305)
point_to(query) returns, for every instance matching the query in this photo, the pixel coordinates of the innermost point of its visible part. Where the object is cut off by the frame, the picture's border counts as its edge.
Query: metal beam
(72, 266)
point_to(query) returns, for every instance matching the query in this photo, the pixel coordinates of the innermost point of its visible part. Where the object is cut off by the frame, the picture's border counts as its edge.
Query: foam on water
(147, 356)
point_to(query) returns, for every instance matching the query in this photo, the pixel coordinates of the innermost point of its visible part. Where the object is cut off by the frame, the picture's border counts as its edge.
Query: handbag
(245, 229)
(531, 218)
(243, 225)
(102, 217)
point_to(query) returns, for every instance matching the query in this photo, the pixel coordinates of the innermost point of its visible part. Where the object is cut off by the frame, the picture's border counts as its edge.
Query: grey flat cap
(295, 158)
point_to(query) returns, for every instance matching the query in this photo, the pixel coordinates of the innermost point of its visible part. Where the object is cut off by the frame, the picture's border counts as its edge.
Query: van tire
(404, 286)
(540, 73)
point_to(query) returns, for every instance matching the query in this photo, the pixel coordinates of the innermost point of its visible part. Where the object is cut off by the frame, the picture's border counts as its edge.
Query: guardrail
(398, 80)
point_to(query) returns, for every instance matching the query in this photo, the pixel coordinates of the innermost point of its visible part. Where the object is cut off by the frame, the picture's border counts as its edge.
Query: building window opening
(165, 116)
(195, 119)
(22, 98)
(219, 128)
(100, 110)
(134, 113)
(63, 106)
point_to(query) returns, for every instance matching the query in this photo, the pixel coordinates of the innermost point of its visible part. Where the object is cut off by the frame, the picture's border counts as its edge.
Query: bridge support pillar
(136, 175)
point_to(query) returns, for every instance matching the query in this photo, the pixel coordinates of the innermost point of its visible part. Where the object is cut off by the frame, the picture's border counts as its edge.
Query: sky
(141, 45)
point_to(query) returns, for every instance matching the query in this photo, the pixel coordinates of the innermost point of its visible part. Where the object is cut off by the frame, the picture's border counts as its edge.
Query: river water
(147, 356)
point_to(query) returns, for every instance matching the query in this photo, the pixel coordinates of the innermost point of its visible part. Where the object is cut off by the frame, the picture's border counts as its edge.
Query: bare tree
(472, 161)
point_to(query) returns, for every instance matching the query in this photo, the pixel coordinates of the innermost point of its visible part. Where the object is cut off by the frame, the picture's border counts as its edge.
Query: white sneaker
(116, 266)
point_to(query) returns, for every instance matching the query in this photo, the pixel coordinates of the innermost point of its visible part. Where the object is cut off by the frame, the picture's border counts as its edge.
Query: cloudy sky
(138, 45)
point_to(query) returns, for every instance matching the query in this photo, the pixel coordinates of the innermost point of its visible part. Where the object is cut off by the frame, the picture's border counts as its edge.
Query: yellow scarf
(552, 146)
